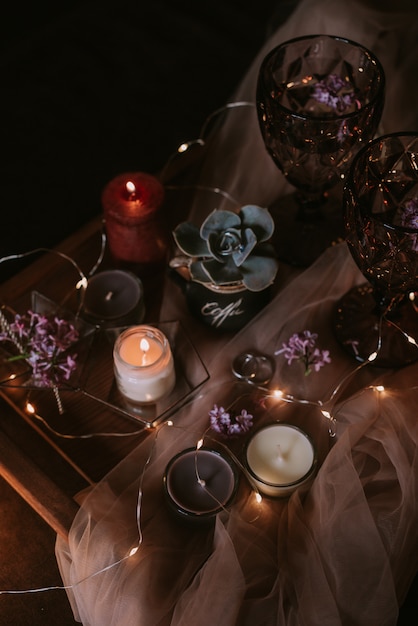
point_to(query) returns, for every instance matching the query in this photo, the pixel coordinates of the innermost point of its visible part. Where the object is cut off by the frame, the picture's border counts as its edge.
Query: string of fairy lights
(328, 407)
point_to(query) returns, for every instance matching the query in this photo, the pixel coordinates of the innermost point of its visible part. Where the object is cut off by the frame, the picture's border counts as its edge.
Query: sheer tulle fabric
(343, 551)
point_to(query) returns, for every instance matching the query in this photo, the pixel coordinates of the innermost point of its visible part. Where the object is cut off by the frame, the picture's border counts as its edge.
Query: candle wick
(109, 296)
(144, 346)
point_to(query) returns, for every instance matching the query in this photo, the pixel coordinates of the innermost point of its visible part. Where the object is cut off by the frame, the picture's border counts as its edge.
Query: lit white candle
(280, 457)
(143, 364)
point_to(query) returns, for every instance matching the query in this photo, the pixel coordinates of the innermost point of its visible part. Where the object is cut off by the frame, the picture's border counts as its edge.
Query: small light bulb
(82, 283)
(411, 340)
(379, 388)
(258, 497)
(30, 408)
(199, 444)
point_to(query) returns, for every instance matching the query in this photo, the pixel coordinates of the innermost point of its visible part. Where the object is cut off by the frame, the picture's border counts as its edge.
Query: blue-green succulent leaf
(222, 273)
(248, 245)
(219, 220)
(198, 273)
(187, 238)
(258, 272)
(224, 243)
(259, 220)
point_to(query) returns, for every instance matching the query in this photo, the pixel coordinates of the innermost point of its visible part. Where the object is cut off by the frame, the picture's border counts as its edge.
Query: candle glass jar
(143, 374)
(199, 484)
(279, 458)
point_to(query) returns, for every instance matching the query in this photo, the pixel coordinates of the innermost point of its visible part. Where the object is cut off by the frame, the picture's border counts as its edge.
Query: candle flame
(130, 187)
(144, 345)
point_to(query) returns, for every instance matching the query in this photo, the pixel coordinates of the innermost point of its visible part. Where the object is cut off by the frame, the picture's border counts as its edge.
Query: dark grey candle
(199, 483)
(114, 298)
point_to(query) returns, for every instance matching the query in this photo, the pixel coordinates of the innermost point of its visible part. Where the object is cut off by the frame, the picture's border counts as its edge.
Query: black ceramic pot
(228, 307)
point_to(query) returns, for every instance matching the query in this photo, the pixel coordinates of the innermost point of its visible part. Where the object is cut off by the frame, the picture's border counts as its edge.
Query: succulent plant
(230, 248)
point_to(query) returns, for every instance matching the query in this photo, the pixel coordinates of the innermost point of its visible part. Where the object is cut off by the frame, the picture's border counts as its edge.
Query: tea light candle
(136, 236)
(114, 298)
(143, 364)
(199, 483)
(280, 457)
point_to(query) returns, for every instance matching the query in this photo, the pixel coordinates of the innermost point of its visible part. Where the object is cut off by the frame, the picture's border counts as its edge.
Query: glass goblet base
(361, 330)
(304, 231)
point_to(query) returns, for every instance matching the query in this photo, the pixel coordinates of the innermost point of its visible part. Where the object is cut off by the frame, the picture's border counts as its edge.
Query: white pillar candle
(143, 364)
(280, 457)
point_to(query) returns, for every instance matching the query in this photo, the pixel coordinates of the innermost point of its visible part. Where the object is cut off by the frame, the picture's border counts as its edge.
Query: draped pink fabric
(341, 552)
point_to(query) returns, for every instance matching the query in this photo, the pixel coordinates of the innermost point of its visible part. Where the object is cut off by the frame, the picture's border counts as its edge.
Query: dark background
(95, 88)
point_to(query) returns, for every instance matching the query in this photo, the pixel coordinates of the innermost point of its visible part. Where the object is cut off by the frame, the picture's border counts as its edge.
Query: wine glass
(381, 222)
(319, 98)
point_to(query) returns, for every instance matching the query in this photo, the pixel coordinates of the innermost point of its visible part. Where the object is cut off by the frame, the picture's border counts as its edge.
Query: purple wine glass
(381, 221)
(319, 99)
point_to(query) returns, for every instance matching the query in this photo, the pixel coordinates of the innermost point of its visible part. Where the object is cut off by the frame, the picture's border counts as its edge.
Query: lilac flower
(410, 214)
(230, 424)
(408, 218)
(335, 92)
(44, 343)
(302, 347)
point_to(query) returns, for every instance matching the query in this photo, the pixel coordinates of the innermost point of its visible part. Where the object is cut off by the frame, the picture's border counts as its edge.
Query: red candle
(136, 235)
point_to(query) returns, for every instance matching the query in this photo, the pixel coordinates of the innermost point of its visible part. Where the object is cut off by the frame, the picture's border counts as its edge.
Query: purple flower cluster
(410, 214)
(335, 92)
(302, 347)
(44, 343)
(230, 424)
(408, 218)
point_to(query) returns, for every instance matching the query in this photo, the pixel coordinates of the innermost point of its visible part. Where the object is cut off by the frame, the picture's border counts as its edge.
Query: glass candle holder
(280, 458)
(199, 484)
(143, 364)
